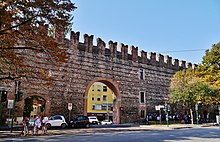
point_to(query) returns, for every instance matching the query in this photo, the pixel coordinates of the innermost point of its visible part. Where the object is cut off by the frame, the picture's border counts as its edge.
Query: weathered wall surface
(69, 81)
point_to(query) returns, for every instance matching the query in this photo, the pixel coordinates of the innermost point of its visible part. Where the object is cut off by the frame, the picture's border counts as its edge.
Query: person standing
(44, 125)
(25, 126)
(37, 123)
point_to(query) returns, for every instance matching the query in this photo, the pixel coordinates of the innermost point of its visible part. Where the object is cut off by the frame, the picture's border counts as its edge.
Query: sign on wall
(10, 104)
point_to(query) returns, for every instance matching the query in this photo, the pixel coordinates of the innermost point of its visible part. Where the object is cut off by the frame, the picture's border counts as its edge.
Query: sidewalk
(108, 128)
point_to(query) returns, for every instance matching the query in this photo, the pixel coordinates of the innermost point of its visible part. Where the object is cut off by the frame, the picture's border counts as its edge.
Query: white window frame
(93, 87)
(140, 97)
(99, 87)
(99, 98)
(93, 97)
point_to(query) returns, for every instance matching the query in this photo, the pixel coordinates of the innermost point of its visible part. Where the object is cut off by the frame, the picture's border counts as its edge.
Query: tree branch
(15, 26)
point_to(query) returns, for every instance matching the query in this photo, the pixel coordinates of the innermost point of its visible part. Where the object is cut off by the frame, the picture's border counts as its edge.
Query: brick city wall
(86, 63)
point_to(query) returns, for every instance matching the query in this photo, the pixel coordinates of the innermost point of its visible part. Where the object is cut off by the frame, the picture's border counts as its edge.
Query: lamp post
(166, 98)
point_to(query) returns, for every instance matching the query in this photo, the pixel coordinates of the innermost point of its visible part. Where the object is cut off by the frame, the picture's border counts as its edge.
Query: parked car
(106, 122)
(80, 121)
(93, 120)
(56, 121)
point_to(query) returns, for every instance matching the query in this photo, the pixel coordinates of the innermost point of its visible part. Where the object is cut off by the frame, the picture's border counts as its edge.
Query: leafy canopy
(24, 24)
(187, 88)
(201, 84)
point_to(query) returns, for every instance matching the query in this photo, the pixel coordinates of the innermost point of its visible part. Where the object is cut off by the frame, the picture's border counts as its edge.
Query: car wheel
(48, 125)
(87, 125)
(63, 125)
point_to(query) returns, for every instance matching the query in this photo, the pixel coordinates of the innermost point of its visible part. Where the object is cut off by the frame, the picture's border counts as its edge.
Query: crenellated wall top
(150, 58)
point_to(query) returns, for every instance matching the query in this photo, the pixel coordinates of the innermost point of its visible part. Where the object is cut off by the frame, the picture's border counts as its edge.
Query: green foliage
(201, 84)
(28, 107)
(212, 57)
(187, 88)
(209, 70)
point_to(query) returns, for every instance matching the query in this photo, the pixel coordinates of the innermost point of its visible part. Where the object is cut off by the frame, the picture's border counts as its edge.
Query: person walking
(37, 123)
(25, 126)
(44, 124)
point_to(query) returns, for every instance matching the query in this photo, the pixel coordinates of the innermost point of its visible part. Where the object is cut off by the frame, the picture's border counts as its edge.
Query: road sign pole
(70, 107)
(166, 109)
(160, 116)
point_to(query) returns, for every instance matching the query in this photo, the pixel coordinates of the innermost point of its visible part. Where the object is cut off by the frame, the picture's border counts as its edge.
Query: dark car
(80, 121)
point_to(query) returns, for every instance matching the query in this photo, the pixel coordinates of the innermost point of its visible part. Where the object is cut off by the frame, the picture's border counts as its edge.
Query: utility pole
(166, 98)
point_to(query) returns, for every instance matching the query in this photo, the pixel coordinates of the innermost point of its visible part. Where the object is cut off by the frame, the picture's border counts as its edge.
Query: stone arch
(47, 102)
(114, 86)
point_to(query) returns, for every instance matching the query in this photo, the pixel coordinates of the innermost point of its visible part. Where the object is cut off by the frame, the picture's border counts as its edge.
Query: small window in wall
(93, 88)
(99, 88)
(104, 107)
(141, 74)
(104, 97)
(93, 106)
(99, 98)
(142, 113)
(98, 107)
(104, 88)
(142, 97)
(93, 97)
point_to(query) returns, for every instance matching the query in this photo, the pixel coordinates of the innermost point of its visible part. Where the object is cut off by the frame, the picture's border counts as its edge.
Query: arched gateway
(114, 86)
(139, 82)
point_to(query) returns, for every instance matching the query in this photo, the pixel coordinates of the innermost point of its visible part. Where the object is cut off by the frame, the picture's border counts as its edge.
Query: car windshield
(92, 118)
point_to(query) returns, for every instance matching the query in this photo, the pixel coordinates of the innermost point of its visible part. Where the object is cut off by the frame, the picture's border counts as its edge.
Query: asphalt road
(207, 134)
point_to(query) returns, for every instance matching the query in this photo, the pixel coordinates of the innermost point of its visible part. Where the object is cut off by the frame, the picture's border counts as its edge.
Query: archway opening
(103, 100)
(100, 100)
(33, 106)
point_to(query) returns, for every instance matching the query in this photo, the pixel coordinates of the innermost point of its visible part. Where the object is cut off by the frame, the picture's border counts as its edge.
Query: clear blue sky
(153, 25)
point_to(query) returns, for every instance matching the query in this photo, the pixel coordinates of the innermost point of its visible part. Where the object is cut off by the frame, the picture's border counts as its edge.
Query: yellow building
(100, 101)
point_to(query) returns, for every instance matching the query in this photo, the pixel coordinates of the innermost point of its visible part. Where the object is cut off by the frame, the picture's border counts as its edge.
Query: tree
(187, 89)
(209, 70)
(202, 84)
(29, 25)
(28, 107)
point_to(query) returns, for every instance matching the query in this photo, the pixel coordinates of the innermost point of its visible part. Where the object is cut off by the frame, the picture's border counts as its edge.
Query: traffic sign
(166, 98)
(10, 104)
(159, 107)
(70, 106)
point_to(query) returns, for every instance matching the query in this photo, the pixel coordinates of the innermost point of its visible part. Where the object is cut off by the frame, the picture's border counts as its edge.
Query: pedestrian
(44, 124)
(37, 123)
(25, 126)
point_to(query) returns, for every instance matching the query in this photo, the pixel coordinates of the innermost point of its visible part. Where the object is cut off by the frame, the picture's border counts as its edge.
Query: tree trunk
(191, 114)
